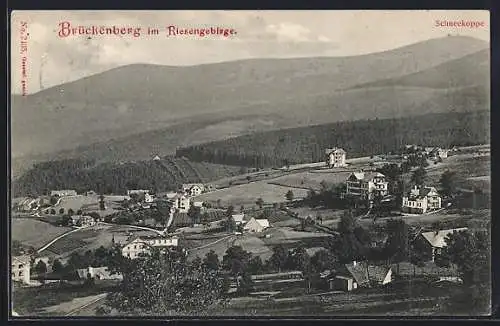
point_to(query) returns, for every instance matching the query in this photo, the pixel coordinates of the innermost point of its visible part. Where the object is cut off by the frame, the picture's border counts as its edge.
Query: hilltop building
(335, 157)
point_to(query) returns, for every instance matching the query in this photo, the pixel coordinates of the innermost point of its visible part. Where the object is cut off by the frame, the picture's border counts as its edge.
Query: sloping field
(254, 245)
(311, 180)
(34, 233)
(76, 202)
(248, 194)
(93, 238)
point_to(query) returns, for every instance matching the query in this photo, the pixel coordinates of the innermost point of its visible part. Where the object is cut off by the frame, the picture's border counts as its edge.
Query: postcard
(257, 163)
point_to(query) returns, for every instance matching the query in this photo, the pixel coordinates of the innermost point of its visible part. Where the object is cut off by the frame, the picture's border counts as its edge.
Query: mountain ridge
(231, 99)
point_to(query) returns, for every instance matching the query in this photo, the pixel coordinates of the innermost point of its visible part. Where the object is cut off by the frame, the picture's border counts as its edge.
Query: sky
(50, 60)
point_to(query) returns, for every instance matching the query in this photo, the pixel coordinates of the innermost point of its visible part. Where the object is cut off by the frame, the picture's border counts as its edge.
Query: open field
(255, 245)
(92, 238)
(34, 233)
(465, 165)
(87, 204)
(247, 194)
(219, 245)
(311, 179)
(55, 299)
(448, 219)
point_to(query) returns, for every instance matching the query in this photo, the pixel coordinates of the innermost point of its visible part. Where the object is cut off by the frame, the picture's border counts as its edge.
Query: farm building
(256, 225)
(436, 240)
(141, 245)
(238, 218)
(420, 200)
(82, 220)
(20, 269)
(360, 274)
(193, 189)
(181, 203)
(335, 157)
(98, 273)
(63, 193)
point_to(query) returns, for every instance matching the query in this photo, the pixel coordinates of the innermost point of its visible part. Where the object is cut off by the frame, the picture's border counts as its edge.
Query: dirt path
(72, 307)
(211, 243)
(58, 238)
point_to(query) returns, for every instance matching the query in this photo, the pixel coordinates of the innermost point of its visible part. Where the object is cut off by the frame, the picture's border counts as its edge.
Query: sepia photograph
(265, 163)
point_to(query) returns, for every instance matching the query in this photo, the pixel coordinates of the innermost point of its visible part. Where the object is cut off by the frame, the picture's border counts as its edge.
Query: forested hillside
(358, 138)
(83, 175)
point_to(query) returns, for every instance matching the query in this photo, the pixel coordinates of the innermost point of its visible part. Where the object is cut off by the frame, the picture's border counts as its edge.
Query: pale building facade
(141, 245)
(366, 185)
(420, 200)
(20, 269)
(335, 157)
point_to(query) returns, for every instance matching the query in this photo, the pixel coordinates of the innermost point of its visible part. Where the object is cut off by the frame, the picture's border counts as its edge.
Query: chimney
(354, 263)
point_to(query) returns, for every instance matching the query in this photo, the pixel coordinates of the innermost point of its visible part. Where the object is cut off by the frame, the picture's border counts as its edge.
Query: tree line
(359, 138)
(115, 178)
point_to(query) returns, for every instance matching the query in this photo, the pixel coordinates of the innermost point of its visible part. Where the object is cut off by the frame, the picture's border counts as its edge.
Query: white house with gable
(420, 200)
(335, 157)
(141, 245)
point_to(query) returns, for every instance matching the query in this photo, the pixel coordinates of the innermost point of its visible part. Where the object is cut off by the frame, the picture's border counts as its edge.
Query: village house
(360, 274)
(256, 225)
(141, 245)
(193, 189)
(436, 152)
(366, 185)
(181, 203)
(436, 240)
(148, 198)
(238, 218)
(82, 220)
(26, 204)
(97, 273)
(20, 269)
(421, 200)
(63, 193)
(335, 157)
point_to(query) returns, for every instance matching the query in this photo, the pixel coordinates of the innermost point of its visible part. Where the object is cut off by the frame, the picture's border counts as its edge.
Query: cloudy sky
(51, 60)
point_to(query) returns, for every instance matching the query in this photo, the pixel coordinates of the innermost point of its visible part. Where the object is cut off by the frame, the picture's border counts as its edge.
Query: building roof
(191, 185)
(102, 272)
(334, 150)
(24, 259)
(437, 239)
(366, 175)
(422, 192)
(363, 273)
(146, 238)
(238, 217)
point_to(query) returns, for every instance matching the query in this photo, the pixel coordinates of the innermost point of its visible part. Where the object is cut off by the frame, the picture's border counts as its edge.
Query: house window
(21, 266)
(20, 273)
